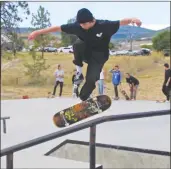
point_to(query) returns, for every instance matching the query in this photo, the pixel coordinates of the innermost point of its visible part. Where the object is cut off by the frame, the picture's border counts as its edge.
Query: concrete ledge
(111, 156)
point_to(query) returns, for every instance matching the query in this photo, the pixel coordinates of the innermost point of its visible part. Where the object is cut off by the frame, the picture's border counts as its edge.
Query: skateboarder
(116, 80)
(92, 46)
(133, 84)
(166, 88)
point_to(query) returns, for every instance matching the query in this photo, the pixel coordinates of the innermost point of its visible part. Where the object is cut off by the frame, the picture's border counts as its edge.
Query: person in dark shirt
(92, 46)
(76, 83)
(133, 84)
(166, 88)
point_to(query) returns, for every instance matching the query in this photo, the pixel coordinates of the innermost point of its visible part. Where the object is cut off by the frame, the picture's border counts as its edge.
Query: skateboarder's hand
(136, 21)
(33, 35)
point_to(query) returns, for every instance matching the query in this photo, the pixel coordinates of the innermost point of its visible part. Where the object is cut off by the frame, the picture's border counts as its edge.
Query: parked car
(146, 51)
(51, 49)
(166, 52)
(66, 49)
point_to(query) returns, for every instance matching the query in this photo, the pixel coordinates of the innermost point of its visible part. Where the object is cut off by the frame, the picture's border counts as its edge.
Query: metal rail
(92, 124)
(4, 123)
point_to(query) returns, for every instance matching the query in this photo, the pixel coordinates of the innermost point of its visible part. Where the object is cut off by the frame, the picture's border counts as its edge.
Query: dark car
(145, 51)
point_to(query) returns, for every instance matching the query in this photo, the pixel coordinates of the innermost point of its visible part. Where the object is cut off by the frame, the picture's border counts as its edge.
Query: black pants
(61, 87)
(166, 90)
(116, 90)
(95, 61)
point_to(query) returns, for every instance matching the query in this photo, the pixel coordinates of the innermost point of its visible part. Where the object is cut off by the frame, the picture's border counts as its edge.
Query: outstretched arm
(34, 34)
(128, 21)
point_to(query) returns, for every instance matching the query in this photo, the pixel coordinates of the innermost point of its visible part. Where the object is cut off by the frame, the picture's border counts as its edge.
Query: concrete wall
(113, 158)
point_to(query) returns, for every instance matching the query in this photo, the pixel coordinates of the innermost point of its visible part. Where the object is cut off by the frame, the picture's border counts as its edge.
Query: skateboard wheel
(62, 112)
(100, 111)
(66, 124)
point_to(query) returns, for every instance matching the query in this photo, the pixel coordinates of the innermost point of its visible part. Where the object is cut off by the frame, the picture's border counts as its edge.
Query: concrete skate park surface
(32, 118)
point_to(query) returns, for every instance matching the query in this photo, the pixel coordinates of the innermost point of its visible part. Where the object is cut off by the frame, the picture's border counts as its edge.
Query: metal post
(92, 150)
(4, 125)
(10, 161)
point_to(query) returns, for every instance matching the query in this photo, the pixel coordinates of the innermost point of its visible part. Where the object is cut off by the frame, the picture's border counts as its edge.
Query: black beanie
(84, 15)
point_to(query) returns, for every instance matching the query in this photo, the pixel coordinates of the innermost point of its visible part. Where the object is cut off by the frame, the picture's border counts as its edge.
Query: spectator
(166, 89)
(116, 80)
(100, 83)
(59, 74)
(76, 83)
(133, 84)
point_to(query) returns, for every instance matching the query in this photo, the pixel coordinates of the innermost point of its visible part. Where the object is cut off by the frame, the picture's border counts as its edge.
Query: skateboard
(125, 94)
(82, 110)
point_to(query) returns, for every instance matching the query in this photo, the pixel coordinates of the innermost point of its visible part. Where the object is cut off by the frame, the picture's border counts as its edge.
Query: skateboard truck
(62, 113)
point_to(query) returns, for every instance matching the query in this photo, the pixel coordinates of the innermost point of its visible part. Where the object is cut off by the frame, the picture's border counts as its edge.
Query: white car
(66, 49)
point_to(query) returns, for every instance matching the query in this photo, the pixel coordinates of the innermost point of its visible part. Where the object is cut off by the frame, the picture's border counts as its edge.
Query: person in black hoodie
(133, 84)
(166, 88)
(76, 83)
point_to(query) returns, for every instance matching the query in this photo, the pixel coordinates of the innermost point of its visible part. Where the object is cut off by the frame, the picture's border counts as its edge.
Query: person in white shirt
(59, 74)
(100, 83)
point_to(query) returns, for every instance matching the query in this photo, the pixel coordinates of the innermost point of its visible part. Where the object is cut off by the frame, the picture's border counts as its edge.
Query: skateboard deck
(125, 94)
(82, 110)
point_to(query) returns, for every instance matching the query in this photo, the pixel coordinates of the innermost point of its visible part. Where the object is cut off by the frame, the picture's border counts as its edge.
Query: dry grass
(149, 70)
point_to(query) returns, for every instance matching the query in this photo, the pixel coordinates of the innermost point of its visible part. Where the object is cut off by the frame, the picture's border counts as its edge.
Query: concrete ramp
(32, 118)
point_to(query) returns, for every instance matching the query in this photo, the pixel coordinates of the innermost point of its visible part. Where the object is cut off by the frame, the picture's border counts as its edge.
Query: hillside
(168, 29)
(124, 31)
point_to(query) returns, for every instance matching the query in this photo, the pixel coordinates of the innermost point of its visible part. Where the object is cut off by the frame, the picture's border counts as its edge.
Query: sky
(154, 15)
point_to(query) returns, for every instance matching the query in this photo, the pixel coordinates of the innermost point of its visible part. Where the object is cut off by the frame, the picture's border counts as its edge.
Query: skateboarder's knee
(78, 46)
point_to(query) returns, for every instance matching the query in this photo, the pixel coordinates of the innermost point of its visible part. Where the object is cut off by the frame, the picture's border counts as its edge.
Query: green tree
(10, 19)
(41, 20)
(161, 41)
(34, 69)
(68, 39)
(9, 13)
(17, 42)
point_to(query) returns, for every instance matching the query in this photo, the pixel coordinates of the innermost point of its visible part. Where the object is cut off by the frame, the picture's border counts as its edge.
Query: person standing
(116, 80)
(76, 83)
(59, 74)
(100, 83)
(133, 84)
(166, 88)
(92, 47)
